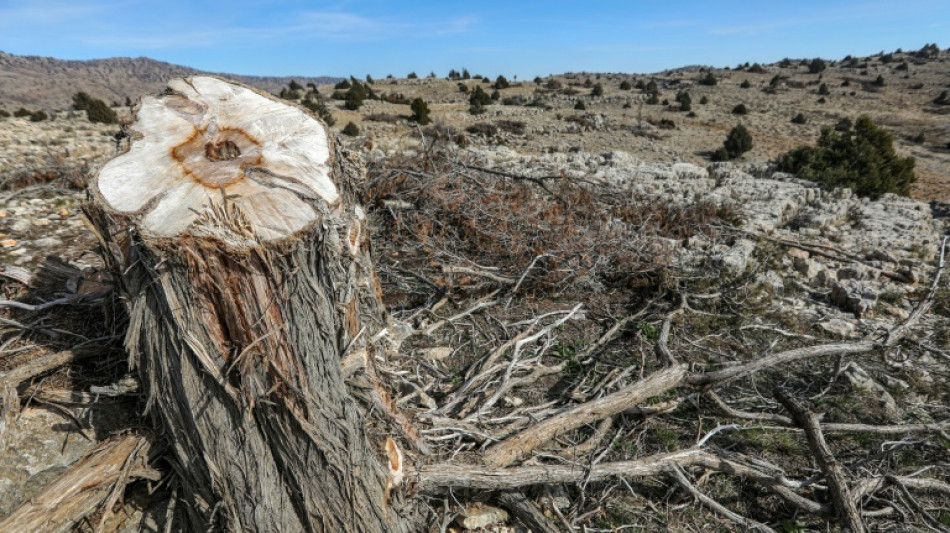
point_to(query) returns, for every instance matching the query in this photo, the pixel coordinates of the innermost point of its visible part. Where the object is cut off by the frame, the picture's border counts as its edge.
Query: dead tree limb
(521, 445)
(837, 484)
(527, 512)
(84, 488)
(677, 473)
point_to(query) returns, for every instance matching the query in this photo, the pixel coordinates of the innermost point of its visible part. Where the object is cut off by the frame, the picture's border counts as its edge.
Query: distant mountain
(49, 83)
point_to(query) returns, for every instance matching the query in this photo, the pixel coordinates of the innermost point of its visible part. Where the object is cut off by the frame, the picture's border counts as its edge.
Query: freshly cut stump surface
(232, 228)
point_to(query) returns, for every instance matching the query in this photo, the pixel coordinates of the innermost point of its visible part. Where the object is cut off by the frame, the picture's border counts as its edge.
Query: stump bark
(232, 227)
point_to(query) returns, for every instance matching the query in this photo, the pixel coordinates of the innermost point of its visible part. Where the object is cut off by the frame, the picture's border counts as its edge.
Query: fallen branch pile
(549, 358)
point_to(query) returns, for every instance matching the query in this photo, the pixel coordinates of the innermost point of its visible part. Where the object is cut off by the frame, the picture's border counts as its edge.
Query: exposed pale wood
(41, 365)
(527, 512)
(521, 445)
(837, 483)
(449, 475)
(84, 488)
(232, 229)
(209, 149)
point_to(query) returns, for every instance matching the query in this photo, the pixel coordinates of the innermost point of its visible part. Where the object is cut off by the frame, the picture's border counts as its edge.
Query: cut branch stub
(209, 150)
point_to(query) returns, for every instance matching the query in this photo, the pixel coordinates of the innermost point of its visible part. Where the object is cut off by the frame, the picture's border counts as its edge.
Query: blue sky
(488, 37)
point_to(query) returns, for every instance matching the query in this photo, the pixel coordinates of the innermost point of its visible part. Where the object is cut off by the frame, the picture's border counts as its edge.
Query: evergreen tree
(420, 111)
(861, 158)
(738, 142)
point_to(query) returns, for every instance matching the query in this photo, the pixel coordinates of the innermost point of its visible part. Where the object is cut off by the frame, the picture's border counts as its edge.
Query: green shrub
(289, 94)
(463, 88)
(412, 76)
(465, 74)
(740, 109)
(738, 142)
(685, 100)
(580, 105)
(704, 100)
(294, 86)
(351, 129)
(817, 65)
(943, 99)
(653, 99)
(799, 119)
(844, 124)
(708, 79)
(22, 112)
(343, 85)
(320, 108)
(721, 154)
(96, 110)
(823, 89)
(745, 84)
(4, 113)
(879, 82)
(483, 129)
(38, 116)
(501, 83)
(420, 111)
(479, 97)
(625, 85)
(598, 90)
(861, 158)
(757, 69)
(353, 100)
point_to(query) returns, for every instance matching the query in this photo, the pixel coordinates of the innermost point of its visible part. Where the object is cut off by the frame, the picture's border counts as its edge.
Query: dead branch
(453, 269)
(520, 445)
(527, 512)
(82, 490)
(41, 365)
(840, 493)
(677, 473)
(892, 429)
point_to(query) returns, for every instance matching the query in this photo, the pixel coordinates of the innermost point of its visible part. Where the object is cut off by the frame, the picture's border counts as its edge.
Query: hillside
(49, 83)
(593, 326)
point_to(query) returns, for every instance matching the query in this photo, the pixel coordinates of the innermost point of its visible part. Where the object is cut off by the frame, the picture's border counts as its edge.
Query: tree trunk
(232, 226)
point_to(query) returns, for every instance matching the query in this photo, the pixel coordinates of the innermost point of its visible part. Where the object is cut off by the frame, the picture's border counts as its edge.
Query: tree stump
(232, 227)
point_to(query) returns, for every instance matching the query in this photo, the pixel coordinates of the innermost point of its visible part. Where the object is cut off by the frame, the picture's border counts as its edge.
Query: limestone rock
(478, 515)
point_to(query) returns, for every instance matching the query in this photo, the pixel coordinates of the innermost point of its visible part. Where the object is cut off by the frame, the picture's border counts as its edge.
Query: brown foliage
(588, 238)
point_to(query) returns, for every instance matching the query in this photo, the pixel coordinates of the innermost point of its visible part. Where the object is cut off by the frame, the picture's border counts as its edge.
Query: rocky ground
(833, 265)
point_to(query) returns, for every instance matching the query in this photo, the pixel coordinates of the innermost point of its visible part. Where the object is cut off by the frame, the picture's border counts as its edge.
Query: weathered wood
(232, 226)
(84, 487)
(521, 445)
(837, 484)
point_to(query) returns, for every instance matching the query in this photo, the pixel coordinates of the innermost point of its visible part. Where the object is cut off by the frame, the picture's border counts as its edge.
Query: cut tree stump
(232, 228)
